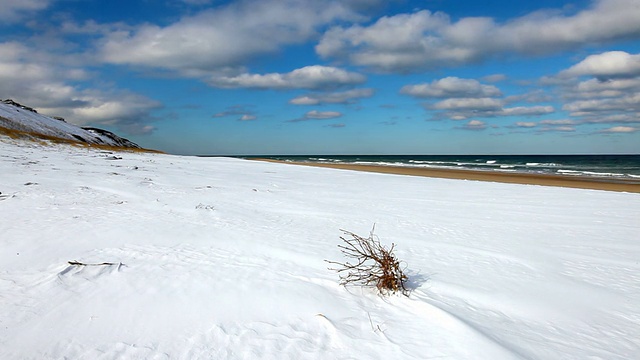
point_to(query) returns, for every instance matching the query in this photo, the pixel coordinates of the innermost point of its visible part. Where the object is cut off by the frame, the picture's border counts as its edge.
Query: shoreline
(581, 182)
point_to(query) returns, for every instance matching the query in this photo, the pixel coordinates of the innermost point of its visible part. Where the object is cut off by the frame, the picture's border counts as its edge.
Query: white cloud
(527, 111)
(558, 129)
(305, 100)
(526, 124)
(474, 125)
(468, 98)
(612, 118)
(620, 129)
(426, 40)
(309, 77)
(318, 115)
(630, 102)
(594, 88)
(612, 95)
(321, 115)
(120, 109)
(478, 104)
(12, 11)
(247, 117)
(343, 97)
(450, 87)
(28, 79)
(559, 122)
(223, 38)
(612, 64)
(562, 125)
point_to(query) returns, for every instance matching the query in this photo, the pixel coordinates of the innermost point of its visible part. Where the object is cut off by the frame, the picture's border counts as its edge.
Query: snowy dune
(14, 116)
(221, 258)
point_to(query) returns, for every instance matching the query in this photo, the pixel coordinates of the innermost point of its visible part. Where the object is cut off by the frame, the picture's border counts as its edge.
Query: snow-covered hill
(217, 258)
(24, 119)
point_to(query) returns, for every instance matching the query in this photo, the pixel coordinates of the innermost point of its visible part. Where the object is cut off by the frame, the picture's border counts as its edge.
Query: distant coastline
(572, 174)
(610, 167)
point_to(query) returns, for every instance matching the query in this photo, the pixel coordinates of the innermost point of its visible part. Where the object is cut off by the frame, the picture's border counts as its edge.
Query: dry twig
(373, 264)
(77, 263)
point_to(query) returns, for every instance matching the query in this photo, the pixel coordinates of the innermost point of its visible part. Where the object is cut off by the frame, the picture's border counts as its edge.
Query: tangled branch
(372, 264)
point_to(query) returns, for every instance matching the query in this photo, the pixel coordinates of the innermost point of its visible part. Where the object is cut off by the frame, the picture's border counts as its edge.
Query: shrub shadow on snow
(415, 280)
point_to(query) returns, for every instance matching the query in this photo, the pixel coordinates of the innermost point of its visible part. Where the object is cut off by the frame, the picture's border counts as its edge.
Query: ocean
(621, 167)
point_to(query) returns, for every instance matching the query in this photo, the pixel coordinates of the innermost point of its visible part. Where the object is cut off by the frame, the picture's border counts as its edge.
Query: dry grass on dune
(47, 139)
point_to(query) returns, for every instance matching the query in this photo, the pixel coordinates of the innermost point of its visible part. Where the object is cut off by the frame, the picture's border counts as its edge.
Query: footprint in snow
(5, 196)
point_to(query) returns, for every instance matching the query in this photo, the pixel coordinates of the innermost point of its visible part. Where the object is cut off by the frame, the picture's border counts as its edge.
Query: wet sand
(579, 182)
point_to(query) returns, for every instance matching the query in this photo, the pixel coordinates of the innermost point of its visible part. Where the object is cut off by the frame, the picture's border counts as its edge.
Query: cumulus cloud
(451, 87)
(126, 111)
(318, 115)
(314, 77)
(426, 40)
(594, 88)
(12, 11)
(626, 103)
(610, 94)
(461, 99)
(612, 64)
(343, 97)
(28, 79)
(223, 38)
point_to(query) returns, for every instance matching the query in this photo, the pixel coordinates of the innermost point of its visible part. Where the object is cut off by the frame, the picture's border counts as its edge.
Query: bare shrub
(373, 264)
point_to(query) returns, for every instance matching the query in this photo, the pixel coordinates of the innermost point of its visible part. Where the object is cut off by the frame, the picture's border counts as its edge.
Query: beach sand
(579, 182)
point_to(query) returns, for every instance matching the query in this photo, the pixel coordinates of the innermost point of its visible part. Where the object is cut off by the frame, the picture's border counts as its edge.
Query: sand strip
(579, 182)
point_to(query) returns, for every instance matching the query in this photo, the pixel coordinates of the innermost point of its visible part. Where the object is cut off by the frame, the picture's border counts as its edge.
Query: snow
(13, 117)
(220, 258)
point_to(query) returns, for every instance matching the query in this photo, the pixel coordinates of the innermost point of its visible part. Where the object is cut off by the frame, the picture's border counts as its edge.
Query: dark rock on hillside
(114, 138)
(11, 102)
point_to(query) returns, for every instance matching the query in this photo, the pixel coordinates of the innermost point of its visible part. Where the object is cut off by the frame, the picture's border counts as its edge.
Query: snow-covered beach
(219, 258)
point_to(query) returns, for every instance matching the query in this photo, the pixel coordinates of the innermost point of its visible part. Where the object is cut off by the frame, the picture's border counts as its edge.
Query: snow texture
(219, 258)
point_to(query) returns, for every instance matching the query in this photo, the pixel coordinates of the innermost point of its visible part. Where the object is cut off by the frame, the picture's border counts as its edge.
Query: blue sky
(333, 77)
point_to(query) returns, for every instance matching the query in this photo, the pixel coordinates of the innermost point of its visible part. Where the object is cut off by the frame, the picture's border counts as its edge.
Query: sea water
(604, 166)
